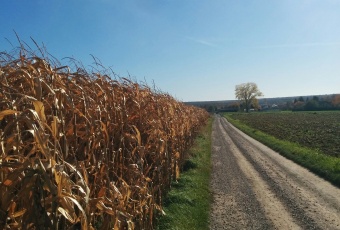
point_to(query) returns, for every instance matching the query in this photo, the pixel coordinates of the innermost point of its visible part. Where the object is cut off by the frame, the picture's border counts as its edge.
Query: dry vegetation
(82, 151)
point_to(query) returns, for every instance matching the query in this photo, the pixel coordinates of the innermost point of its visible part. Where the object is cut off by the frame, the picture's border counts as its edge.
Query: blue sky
(196, 50)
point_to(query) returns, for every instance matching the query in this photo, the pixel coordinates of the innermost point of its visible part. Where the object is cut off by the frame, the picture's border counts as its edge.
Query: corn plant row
(80, 150)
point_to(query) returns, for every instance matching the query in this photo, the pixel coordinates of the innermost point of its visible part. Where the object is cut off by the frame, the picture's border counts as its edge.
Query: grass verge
(188, 203)
(323, 165)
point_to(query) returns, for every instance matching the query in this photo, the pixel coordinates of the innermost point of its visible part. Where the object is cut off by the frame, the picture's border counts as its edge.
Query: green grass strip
(188, 203)
(321, 164)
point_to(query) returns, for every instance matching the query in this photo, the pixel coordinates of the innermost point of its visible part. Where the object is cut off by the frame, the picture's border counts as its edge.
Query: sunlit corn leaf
(66, 215)
(83, 216)
(131, 225)
(40, 109)
(7, 112)
(138, 135)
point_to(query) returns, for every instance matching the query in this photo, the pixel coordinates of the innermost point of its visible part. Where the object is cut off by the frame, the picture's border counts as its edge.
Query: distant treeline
(301, 103)
(315, 104)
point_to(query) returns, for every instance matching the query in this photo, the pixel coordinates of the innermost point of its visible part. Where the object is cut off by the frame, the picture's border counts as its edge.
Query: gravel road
(256, 188)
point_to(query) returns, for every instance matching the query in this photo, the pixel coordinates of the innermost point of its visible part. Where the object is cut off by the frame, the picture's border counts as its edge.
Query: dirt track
(256, 188)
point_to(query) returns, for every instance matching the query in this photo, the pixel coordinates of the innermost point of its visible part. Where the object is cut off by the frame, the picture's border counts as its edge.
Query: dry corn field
(80, 150)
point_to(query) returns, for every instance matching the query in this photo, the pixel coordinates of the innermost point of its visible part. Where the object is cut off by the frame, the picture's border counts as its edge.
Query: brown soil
(256, 188)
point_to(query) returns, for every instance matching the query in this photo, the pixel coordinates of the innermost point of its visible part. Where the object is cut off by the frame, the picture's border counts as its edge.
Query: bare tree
(247, 92)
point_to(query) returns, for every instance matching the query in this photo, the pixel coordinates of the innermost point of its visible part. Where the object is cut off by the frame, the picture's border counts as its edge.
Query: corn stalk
(81, 150)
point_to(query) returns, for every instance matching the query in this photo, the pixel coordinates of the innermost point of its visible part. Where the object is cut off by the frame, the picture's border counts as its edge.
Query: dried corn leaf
(17, 214)
(138, 135)
(7, 112)
(40, 109)
(66, 215)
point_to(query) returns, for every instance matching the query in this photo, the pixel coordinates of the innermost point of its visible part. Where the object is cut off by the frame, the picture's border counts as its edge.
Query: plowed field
(315, 130)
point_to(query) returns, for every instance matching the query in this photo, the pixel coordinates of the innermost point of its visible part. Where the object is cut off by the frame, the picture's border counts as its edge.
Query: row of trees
(248, 93)
(315, 103)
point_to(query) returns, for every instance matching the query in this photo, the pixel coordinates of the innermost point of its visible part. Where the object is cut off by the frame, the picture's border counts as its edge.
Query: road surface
(256, 188)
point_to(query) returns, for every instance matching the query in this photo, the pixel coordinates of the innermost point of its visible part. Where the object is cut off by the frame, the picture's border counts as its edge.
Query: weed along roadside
(321, 164)
(188, 203)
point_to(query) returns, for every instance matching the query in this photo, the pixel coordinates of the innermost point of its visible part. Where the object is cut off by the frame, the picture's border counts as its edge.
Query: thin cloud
(202, 41)
(206, 43)
(311, 44)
